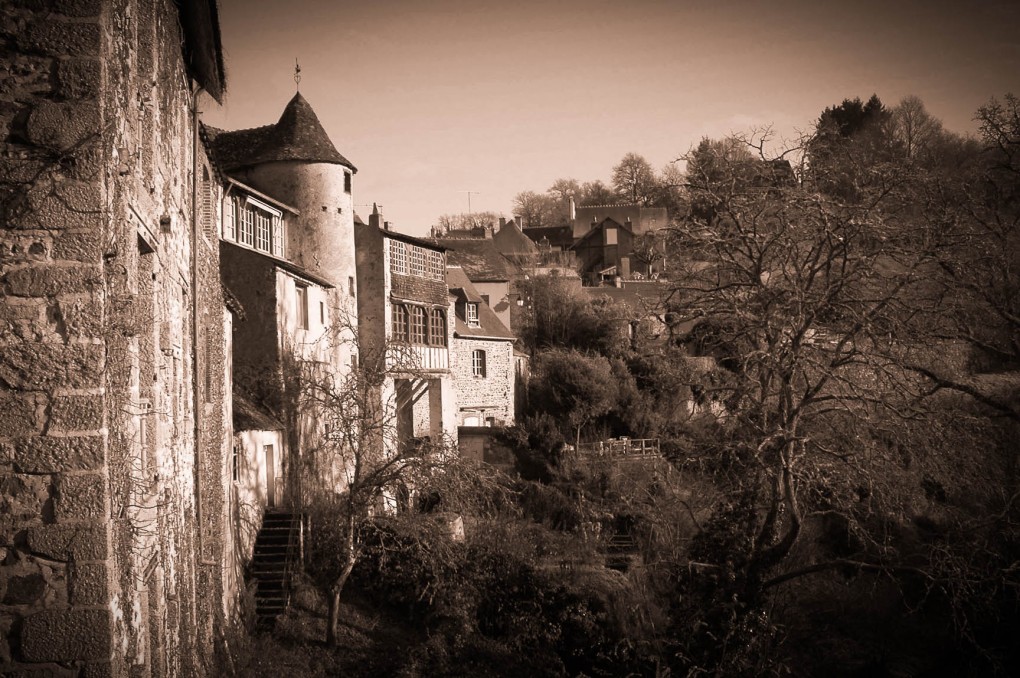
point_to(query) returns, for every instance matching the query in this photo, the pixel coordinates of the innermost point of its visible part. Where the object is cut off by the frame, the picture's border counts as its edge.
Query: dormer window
(251, 222)
(471, 314)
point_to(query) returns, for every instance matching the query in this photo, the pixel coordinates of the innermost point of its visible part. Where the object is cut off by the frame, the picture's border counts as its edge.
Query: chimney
(375, 219)
(502, 223)
(386, 225)
(572, 214)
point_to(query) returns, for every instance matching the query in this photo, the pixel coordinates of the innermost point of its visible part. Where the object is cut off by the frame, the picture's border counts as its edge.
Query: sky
(431, 99)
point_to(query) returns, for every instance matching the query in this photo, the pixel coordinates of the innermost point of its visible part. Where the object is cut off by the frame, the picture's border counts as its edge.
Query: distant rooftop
(480, 259)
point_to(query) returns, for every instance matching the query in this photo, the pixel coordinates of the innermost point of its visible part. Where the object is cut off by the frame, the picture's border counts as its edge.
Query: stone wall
(491, 395)
(106, 568)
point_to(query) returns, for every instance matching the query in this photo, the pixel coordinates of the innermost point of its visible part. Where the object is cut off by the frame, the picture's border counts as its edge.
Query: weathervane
(297, 74)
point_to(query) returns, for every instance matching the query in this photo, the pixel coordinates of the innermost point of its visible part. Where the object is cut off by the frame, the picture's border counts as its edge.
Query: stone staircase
(275, 560)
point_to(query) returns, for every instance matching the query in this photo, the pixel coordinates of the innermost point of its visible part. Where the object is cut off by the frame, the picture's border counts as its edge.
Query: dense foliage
(835, 391)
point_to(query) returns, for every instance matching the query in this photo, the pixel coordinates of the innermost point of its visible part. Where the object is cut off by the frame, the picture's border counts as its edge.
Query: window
(398, 257)
(262, 228)
(253, 223)
(399, 322)
(437, 327)
(485, 298)
(277, 245)
(322, 312)
(235, 471)
(347, 182)
(246, 227)
(230, 219)
(436, 268)
(301, 300)
(478, 363)
(417, 261)
(472, 314)
(610, 236)
(350, 284)
(417, 325)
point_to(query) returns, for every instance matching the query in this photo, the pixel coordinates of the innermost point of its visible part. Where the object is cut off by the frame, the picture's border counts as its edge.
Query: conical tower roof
(297, 135)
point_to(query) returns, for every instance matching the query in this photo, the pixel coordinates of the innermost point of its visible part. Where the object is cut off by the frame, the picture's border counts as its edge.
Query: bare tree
(358, 467)
(795, 293)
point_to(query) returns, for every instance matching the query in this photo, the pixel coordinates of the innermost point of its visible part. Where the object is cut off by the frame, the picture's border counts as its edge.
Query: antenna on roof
(297, 75)
(469, 198)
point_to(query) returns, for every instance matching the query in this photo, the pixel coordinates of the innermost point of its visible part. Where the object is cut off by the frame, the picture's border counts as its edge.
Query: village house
(609, 241)
(113, 401)
(483, 357)
(616, 241)
(405, 332)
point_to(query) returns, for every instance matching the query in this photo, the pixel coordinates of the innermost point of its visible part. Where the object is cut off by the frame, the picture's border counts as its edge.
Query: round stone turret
(295, 162)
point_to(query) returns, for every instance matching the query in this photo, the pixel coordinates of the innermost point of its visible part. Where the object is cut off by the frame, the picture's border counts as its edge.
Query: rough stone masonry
(105, 274)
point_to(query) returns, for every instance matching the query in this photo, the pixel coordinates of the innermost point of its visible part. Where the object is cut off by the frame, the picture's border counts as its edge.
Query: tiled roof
(297, 135)
(480, 259)
(510, 240)
(489, 324)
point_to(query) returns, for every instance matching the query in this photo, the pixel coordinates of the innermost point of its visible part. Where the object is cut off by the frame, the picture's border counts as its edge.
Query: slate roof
(480, 259)
(297, 135)
(489, 324)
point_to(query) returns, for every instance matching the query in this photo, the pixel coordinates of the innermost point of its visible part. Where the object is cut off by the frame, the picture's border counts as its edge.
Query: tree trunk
(333, 617)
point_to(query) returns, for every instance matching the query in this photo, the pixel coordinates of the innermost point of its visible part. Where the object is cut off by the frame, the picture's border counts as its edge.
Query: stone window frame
(478, 363)
(348, 180)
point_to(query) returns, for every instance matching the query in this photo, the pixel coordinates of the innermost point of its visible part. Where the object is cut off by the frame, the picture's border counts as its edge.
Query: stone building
(482, 356)
(405, 333)
(112, 352)
(287, 248)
